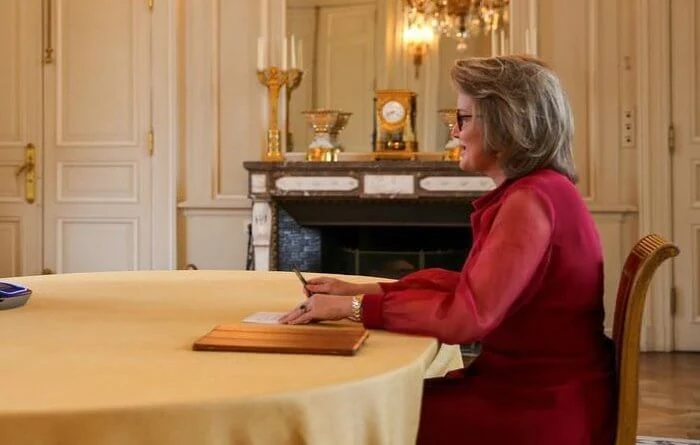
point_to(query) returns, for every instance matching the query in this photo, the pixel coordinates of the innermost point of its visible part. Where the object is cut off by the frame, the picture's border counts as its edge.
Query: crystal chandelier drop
(458, 19)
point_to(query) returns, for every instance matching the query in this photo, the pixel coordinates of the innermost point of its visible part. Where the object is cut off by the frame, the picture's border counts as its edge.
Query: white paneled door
(20, 131)
(97, 101)
(685, 28)
(87, 110)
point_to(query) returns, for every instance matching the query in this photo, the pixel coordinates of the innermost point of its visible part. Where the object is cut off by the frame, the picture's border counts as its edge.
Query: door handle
(27, 166)
(29, 170)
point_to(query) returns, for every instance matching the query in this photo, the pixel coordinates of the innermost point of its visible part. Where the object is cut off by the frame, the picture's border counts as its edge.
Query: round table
(106, 358)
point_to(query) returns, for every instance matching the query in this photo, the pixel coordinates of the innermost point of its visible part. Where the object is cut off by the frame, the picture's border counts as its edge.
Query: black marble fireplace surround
(383, 218)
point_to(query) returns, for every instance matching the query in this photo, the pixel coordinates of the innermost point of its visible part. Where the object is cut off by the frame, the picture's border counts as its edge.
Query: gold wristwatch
(356, 308)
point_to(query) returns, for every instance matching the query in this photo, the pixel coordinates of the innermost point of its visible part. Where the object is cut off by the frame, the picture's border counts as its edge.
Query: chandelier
(458, 19)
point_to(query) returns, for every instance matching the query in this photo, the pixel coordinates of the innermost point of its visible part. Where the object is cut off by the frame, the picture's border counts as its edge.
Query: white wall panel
(107, 182)
(94, 244)
(216, 238)
(90, 114)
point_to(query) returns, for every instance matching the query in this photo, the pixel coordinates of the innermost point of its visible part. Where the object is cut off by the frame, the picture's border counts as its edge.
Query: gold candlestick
(273, 78)
(293, 80)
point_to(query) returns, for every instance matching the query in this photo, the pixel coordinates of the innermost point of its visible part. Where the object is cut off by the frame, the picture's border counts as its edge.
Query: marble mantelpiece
(377, 193)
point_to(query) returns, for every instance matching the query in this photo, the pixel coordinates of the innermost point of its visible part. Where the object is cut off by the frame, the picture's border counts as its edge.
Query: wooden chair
(646, 256)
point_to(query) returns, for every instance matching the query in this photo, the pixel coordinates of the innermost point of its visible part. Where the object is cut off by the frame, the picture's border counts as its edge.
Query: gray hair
(525, 112)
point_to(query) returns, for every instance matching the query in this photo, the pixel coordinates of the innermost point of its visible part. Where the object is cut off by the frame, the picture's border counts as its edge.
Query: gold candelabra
(274, 79)
(294, 76)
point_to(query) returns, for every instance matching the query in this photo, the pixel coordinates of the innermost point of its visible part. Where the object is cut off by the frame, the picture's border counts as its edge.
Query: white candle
(494, 50)
(284, 54)
(293, 49)
(301, 54)
(527, 41)
(261, 63)
(503, 42)
(532, 22)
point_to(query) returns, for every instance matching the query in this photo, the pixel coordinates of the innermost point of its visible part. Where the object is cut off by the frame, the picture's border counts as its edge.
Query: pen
(300, 276)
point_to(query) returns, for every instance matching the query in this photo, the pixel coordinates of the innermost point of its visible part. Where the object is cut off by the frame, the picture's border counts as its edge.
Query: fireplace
(384, 218)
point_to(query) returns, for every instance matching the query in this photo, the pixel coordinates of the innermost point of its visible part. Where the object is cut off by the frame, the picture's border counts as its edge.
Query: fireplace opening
(392, 252)
(385, 249)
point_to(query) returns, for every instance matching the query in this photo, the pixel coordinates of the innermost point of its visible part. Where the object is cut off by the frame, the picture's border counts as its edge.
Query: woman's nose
(455, 131)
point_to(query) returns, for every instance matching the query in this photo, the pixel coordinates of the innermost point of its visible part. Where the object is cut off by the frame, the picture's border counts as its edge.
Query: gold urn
(453, 146)
(327, 124)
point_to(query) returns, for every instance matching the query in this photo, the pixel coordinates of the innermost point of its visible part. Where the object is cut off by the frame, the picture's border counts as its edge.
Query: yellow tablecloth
(106, 358)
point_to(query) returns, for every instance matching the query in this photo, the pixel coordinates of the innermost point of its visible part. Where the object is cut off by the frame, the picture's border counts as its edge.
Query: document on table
(264, 317)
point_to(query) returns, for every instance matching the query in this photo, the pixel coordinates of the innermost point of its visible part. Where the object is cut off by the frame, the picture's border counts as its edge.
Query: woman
(531, 290)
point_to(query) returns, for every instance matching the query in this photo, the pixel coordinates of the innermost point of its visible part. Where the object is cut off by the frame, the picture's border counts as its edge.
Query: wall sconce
(418, 38)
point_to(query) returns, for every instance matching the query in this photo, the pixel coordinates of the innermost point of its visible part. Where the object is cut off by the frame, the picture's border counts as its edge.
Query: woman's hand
(320, 307)
(328, 285)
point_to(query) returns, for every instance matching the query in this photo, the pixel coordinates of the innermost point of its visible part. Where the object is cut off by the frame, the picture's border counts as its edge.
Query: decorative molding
(165, 119)
(379, 179)
(429, 103)
(215, 36)
(592, 92)
(235, 202)
(532, 26)
(695, 248)
(654, 114)
(694, 130)
(316, 183)
(695, 183)
(128, 194)
(258, 183)
(62, 223)
(262, 234)
(456, 183)
(62, 140)
(388, 184)
(519, 24)
(620, 209)
(220, 211)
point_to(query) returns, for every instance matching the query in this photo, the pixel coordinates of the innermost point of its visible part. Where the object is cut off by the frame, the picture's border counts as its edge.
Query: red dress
(531, 291)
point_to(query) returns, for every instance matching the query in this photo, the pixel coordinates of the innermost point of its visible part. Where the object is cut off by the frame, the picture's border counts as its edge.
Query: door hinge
(673, 297)
(671, 138)
(151, 142)
(149, 3)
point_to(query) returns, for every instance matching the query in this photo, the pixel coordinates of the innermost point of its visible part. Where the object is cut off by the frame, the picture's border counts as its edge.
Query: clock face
(393, 112)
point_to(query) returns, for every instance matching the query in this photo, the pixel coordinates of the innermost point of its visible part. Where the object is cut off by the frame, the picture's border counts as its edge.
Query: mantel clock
(395, 112)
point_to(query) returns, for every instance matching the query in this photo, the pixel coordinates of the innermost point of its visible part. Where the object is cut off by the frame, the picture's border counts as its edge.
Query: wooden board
(306, 339)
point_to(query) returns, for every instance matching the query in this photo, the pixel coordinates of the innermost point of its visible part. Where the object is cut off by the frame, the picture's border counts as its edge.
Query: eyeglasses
(461, 119)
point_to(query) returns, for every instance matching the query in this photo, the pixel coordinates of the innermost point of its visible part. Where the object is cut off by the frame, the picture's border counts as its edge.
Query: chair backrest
(646, 256)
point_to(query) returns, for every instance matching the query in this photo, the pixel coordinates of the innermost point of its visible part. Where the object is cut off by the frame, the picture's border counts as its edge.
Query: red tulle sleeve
(464, 307)
(437, 279)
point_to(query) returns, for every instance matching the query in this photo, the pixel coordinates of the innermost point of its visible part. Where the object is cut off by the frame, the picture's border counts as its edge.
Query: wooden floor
(669, 389)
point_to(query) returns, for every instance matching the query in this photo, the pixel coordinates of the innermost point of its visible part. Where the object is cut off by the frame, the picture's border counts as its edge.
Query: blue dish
(13, 295)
